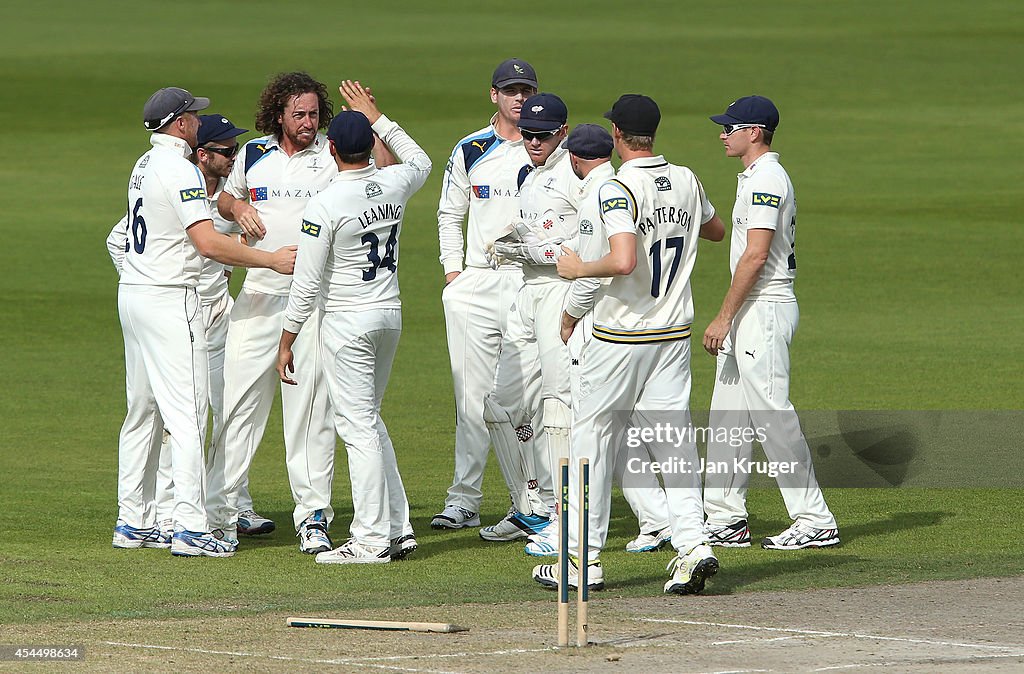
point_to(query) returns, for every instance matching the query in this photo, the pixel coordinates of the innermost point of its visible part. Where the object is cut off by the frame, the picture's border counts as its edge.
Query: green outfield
(900, 129)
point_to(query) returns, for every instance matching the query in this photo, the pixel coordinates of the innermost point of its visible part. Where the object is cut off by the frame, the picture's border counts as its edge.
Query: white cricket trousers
(646, 383)
(166, 380)
(476, 312)
(752, 391)
(359, 349)
(250, 382)
(643, 493)
(534, 366)
(215, 317)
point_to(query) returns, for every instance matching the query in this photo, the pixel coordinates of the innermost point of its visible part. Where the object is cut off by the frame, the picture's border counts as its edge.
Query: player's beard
(298, 140)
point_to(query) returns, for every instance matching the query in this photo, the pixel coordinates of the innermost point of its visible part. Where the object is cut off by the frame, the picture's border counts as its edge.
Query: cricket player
(532, 351)
(590, 150)
(166, 360)
(266, 193)
(215, 155)
(638, 359)
(481, 187)
(750, 336)
(350, 248)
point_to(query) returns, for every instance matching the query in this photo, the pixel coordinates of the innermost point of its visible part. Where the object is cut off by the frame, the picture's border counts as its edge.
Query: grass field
(899, 127)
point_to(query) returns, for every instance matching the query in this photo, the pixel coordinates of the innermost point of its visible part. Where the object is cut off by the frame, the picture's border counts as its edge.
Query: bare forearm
(226, 202)
(748, 270)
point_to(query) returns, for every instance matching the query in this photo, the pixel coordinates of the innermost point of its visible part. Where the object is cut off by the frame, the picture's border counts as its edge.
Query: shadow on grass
(777, 563)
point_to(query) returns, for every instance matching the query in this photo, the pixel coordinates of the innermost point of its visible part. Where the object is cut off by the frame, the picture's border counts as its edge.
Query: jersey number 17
(671, 243)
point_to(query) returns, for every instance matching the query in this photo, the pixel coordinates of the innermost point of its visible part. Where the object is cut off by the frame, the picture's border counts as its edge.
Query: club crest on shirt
(765, 199)
(373, 190)
(310, 228)
(586, 227)
(192, 194)
(663, 184)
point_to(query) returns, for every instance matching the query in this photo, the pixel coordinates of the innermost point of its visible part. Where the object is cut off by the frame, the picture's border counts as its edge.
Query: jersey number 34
(390, 259)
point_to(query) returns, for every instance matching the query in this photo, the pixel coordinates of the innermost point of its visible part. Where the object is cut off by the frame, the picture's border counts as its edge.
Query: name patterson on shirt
(665, 215)
(382, 212)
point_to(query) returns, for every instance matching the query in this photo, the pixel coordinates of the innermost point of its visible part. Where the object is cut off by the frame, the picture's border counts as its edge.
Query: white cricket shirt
(279, 187)
(166, 196)
(482, 178)
(212, 279)
(349, 247)
(664, 206)
(592, 244)
(551, 187)
(765, 200)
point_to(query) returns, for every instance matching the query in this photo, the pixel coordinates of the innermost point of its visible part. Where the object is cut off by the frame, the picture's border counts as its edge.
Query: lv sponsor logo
(765, 199)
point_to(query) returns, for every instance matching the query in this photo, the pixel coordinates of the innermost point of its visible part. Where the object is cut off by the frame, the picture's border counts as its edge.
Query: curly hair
(281, 89)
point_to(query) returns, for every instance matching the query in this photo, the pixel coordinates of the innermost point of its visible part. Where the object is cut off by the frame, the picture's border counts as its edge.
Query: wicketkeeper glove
(496, 253)
(532, 249)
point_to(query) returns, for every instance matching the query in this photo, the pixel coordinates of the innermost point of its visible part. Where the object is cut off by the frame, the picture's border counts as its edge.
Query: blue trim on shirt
(473, 150)
(254, 151)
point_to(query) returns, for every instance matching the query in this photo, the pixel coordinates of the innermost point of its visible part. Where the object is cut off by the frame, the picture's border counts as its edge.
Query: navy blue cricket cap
(750, 110)
(543, 112)
(635, 114)
(350, 132)
(216, 128)
(589, 141)
(513, 71)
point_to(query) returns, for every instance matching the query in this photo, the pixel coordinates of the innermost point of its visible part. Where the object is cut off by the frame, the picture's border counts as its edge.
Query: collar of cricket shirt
(172, 143)
(766, 157)
(356, 174)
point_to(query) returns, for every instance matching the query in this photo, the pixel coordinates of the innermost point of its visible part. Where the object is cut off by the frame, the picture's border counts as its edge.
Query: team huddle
(568, 312)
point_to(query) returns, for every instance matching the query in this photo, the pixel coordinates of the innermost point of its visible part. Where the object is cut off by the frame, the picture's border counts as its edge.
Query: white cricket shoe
(547, 575)
(251, 523)
(651, 541)
(354, 552)
(145, 537)
(515, 525)
(735, 535)
(544, 544)
(403, 546)
(166, 528)
(312, 534)
(799, 536)
(690, 571)
(454, 517)
(201, 544)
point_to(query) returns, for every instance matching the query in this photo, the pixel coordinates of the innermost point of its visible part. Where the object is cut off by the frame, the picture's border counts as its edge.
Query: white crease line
(510, 651)
(760, 641)
(240, 654)
(820, 633)
(969, 658)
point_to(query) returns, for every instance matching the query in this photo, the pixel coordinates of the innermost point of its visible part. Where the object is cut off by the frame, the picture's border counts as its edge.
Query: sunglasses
(728, 129)
(227, 152)
(538, 135)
